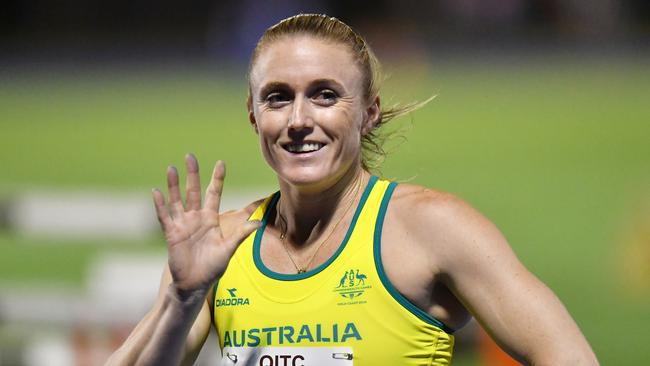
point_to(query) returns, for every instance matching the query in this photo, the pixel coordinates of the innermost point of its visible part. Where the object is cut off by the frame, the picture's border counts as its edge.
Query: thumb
(242, 232)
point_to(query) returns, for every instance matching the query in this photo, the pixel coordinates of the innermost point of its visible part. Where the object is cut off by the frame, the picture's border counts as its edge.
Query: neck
(308, 212)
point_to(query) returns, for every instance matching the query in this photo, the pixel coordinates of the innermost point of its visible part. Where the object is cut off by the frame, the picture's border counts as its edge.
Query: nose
(300, 117)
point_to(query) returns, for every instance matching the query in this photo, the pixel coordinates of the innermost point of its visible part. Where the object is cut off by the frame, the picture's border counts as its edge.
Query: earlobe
(251, 119)
(373, 116)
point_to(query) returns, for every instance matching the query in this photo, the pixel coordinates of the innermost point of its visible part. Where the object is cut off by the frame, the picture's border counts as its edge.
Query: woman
(338, 267)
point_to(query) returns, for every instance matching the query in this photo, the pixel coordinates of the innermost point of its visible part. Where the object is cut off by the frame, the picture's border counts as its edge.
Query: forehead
(297, 60)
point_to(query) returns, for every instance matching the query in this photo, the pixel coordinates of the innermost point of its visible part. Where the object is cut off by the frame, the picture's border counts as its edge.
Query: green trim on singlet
(406, 303)
(299, 276)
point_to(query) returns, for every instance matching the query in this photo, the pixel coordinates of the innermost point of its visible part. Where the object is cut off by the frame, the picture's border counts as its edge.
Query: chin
(308, 176)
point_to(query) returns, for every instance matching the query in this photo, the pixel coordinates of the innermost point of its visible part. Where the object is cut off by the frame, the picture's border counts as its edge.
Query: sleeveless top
(344, 312)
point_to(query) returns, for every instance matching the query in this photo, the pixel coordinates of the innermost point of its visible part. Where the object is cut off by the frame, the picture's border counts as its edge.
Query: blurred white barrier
(49, 305)
(93, 214)
(122, 287)
(85, 214)
(50, 350)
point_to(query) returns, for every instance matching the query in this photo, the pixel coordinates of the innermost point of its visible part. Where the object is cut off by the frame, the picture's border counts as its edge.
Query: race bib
(287, 356)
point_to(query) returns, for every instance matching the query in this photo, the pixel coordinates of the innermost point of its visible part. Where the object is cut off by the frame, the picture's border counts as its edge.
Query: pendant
(302, 270)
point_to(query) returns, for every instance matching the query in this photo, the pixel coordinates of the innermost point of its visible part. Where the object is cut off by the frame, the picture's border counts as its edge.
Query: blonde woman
(339, 267)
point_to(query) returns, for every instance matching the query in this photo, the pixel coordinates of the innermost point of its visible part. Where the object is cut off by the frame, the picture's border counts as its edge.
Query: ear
(373, 116)
(251, 115)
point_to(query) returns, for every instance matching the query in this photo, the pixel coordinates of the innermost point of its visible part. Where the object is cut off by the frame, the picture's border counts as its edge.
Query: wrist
(186, 298)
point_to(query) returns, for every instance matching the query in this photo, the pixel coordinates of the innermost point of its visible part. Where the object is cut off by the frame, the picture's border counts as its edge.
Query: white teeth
(304, 147)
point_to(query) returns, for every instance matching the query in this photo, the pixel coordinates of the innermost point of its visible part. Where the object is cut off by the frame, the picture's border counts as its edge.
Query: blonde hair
(331, 29)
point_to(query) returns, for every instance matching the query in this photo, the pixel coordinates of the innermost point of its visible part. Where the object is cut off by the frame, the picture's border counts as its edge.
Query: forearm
(573, 350)
(167, 342)
(568, 360)
(159, 339)
(537, 329)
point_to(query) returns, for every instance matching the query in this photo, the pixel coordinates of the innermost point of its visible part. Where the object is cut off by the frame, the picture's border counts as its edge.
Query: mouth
(303, 147)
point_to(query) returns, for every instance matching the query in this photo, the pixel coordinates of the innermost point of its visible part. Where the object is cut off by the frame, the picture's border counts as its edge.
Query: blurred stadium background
(541, 121)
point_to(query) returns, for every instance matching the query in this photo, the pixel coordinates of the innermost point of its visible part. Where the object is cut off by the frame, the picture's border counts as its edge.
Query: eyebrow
(273, 85)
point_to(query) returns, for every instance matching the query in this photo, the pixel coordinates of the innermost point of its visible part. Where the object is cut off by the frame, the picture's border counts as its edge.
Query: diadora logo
(351, 286)
(233, 300)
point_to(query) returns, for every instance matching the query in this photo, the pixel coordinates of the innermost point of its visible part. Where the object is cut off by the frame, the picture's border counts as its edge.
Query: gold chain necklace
(283, 232)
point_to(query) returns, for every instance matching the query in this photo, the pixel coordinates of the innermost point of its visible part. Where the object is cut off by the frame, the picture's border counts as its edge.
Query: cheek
(269, 124)
(268, 132)
(353, 121)
(345, 120)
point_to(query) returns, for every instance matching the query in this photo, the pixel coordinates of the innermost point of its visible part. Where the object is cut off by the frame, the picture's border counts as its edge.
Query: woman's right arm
(154, 328)
(199, 250)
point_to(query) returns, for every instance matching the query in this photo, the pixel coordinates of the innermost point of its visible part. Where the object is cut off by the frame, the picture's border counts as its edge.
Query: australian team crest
(351, 286)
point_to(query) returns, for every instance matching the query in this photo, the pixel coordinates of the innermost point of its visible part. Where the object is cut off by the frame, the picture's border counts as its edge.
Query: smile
(303, 147)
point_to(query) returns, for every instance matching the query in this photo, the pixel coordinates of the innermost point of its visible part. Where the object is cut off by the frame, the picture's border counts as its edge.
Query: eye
(277, 99)
(326, 97)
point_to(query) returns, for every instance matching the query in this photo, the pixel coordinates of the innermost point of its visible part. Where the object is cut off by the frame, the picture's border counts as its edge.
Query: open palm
(198, 250)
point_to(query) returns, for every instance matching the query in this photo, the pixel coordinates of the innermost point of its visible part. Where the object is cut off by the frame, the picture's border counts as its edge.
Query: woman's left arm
(519, 311)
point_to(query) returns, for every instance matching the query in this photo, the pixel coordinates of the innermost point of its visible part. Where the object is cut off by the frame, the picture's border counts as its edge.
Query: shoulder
(412, 196)
(416, 204)
(442, 224)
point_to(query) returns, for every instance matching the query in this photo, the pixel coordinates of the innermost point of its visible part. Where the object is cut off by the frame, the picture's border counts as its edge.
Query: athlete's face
(308, 108)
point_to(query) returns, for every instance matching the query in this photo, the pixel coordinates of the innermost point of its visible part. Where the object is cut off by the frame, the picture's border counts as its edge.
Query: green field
(556, 153)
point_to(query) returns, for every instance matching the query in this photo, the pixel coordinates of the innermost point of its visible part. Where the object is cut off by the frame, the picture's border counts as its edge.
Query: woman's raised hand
(198, 249)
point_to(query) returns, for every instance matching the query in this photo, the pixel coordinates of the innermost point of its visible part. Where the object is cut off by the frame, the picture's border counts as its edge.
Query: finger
(242, 232)
(192, 184)
(161, 210)
(175, 204)
(213, 193)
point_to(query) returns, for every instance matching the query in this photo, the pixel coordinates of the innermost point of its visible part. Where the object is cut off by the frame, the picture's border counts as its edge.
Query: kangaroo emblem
(342, 283)
(360, 277)
(352, 285)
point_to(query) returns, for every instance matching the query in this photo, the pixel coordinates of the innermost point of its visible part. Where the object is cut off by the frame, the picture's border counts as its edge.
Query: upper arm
(476, 263)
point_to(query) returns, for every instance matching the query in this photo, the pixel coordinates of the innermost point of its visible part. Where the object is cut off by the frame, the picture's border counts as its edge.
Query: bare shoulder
(412, 196)
(420, 205)
(443, 224)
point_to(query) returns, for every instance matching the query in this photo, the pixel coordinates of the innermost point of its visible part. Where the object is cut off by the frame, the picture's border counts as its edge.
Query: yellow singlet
(344, 312)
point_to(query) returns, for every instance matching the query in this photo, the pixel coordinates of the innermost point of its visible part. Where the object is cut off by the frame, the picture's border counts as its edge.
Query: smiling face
(308, 107)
